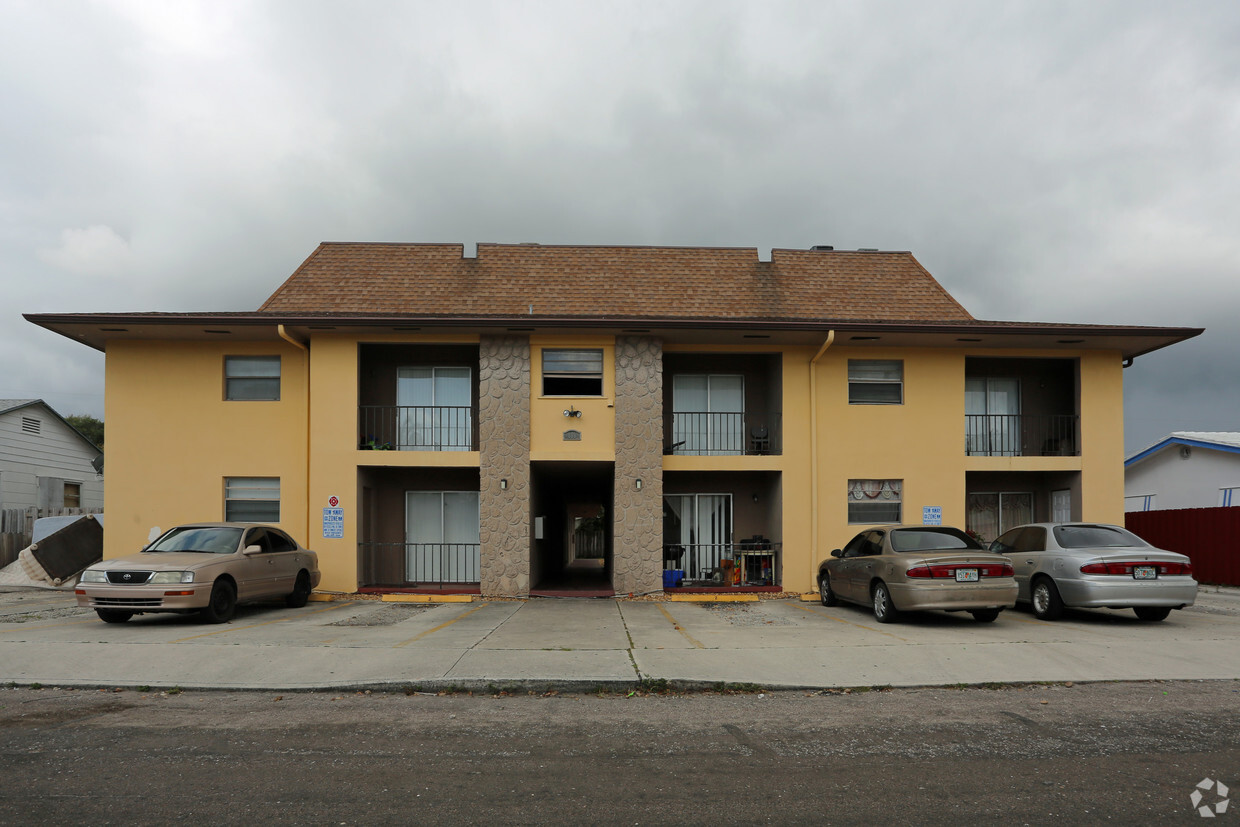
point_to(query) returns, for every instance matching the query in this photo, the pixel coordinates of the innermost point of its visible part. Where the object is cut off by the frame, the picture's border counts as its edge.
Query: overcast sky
(1046, 161)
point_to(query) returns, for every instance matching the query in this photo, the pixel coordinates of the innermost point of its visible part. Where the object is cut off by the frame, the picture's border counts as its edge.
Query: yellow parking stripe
(848, 622)
(416, 638)
(676, 626)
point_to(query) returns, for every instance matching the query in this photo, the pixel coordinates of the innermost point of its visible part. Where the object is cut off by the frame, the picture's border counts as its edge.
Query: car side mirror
(837, 553)
(253, 548)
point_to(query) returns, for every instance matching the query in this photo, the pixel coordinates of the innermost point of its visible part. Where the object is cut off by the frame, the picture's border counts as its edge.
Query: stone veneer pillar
(504, 437)
(637, 534)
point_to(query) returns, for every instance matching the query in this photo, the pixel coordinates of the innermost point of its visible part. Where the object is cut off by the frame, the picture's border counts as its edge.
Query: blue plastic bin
(673, 578)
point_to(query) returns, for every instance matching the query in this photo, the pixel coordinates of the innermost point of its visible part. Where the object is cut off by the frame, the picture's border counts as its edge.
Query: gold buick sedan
(207, 568)
(895, 569)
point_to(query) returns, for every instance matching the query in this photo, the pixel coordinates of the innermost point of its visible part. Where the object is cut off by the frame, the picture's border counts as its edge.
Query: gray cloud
(1046, 161)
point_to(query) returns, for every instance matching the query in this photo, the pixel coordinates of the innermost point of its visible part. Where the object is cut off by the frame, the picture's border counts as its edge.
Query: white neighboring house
(45, 462)
(1189, 469)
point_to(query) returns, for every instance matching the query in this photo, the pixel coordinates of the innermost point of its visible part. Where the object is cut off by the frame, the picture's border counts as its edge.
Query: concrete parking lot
(582, 644)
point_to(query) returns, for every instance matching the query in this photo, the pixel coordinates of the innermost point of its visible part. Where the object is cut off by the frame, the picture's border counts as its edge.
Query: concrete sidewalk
(583, 644)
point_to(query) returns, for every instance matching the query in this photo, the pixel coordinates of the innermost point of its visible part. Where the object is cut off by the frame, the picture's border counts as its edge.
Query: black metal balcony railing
(419, 563)
(720, 564)
(416, 428)
(1020, 435)
(721, 434)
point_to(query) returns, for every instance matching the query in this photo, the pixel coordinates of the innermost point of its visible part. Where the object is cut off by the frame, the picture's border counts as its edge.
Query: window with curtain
(872, 502)
(434, 408)
(875, 382)
(442, 537)
(708, 414)
(701, 524)
(990, 513)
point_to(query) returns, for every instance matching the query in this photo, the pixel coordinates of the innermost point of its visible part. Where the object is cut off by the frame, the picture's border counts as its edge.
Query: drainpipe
(813, 456)
(304, 347)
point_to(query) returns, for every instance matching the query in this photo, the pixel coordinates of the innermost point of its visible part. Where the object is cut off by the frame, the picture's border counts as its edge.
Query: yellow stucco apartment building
(559, 419)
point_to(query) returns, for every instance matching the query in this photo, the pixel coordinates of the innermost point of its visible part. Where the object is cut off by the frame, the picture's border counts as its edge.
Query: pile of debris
(60, 548)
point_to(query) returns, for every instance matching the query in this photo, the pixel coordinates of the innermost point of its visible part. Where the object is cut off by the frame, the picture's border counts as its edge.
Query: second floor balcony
(1021, 435)
(416, 428)
(701, 433)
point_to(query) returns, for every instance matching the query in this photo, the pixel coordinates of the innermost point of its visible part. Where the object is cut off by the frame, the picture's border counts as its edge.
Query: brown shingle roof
(628, 282)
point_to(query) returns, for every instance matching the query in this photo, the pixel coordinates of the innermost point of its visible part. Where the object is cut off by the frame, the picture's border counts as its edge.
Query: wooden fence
(17, 526)
(1209, 536)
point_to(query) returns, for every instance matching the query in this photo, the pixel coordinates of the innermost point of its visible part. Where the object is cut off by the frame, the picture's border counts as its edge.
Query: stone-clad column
(637, 535)
(504, 436)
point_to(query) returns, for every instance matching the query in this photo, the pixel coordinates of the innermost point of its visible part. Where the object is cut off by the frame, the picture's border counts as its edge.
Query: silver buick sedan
(1092, 566)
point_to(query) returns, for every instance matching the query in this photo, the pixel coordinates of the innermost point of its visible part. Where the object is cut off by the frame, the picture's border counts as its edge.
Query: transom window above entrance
(572, 372)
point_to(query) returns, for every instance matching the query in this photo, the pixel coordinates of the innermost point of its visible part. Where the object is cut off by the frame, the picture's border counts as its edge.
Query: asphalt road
(1124, 753)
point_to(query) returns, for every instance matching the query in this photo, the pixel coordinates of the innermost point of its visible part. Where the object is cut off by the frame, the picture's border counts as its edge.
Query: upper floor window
(252, 499)
(572, 372)
(1228, 496)
(252, 378)
(875, 382)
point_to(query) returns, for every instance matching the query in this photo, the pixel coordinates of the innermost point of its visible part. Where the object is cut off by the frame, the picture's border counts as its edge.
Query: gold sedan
(897, 569)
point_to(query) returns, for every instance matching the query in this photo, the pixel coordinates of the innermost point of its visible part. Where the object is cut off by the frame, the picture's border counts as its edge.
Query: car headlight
(93, 576)
(166, 577)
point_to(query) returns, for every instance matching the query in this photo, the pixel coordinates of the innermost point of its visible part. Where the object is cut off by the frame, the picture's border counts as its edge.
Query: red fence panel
(1210, 536)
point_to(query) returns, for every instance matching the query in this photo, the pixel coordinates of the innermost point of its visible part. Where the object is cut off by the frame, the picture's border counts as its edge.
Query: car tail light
(1124, 568)
(948, 570)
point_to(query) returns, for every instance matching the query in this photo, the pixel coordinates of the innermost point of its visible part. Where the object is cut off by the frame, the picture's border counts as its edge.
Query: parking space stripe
(677, 627)
(428, 632)
(847, 622)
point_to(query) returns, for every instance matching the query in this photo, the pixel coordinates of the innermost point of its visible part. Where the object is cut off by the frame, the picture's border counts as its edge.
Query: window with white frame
(252, 499)
(871, 502)
(875, 382)
(1229, 496)
(1140, 502)
(572, 372)
(252, 378)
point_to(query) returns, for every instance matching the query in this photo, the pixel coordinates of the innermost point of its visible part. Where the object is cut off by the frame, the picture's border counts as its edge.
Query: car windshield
(931, 539)
(213, 540)
(1095, 536)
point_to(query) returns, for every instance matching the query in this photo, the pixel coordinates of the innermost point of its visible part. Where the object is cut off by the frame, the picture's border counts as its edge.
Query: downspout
(284, 334)
(813, 456)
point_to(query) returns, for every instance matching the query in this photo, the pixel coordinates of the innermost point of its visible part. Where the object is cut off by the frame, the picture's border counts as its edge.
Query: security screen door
(708, 413)
(702, 524)
(434, 409)
(441, 536)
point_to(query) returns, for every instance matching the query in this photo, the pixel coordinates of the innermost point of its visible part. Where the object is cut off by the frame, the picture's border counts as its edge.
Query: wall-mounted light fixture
(639, 484)
(503, 485)
(573, 413)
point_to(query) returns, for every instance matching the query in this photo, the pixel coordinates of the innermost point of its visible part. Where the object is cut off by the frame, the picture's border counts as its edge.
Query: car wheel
(884, 610)
(222, 604)
(113, 615)
(301, 592)
(1152, 612)
(985, 615)
(1045, 599)
(825, 593)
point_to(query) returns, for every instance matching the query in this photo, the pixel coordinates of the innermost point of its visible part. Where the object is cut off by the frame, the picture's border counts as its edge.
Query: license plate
(966, 575)
(1144, 572)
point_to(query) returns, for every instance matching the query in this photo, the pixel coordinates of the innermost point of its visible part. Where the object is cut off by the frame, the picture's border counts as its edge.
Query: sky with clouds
(1046, 161)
